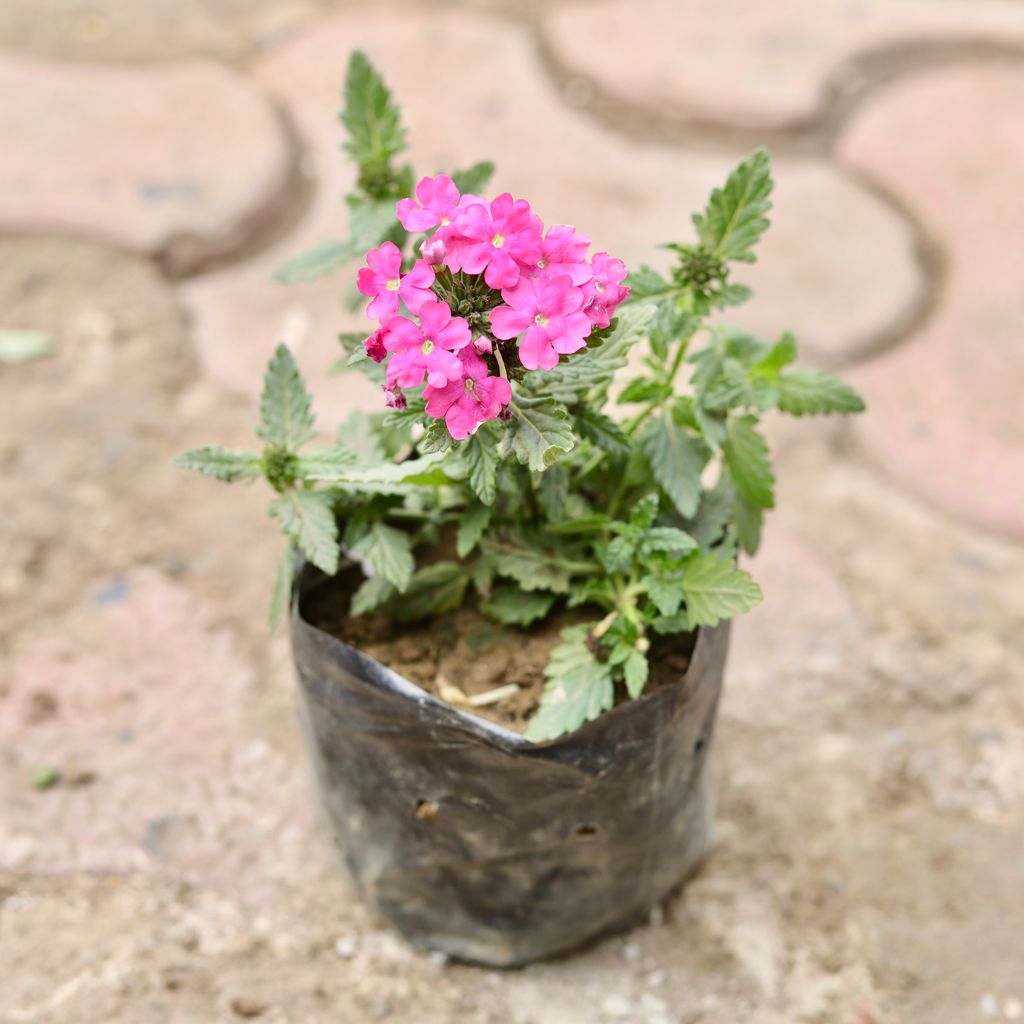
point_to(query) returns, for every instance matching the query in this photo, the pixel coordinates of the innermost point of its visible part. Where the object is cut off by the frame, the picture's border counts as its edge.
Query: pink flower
(436, 202)
(385, 283)
(604, 291)
(473, 399)
(502, 240)
(374, 346)
(393, 398)
(548, 311)
(428, 352)
(564, 252)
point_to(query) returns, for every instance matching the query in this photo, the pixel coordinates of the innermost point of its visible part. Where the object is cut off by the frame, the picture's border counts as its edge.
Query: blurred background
(159, 860)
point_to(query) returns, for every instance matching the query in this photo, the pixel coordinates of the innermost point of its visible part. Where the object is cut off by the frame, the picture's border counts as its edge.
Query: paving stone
(140, 701)
(451, 71)
(122, 30)
(944, 414)
(185, 159)
(753, 65)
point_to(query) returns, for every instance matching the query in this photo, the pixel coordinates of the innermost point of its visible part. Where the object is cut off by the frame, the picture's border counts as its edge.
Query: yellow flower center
(394, 285)
(498, 241)
(540, 320)
(427, 347)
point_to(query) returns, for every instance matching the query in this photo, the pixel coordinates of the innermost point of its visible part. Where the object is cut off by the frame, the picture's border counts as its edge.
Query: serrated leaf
(375, 133)
(472, 523)
(748, 519)
(388, 552)
(781, 354)
(435, 438)
(643, 389)
(481, 453)
(647, 285)
(734, 218)
(811, 392)
(635, 672)
(474, 179)
(307, 518)
(282, 595)
(538, 433)
(716, 590)
(514, 607)
(317, 262)
(370, 221)
(389, 478)
(531, 565)
(434, 590)
(221, 463)
(730, 389)
(578, 689)
(677, 460)
(373, 593)
(602, 431)
(668, 539)
(585, 524)
(666, 593)
(318, 463)
(594, 367)
(286, 416)
(749, 463)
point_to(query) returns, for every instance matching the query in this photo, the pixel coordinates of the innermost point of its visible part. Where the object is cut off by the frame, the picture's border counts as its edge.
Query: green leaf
(222, 463)
(646, 284)
(732, 388)
(643, 389)
(602, 431)
(716, 590)
(781, 354)
(666, 593)
(375, 133)
(307, 518)
(810, 392)
(585, 524)
(319, 463)
(514, 607)
(24, 346)
(539, 432)
(386, 549)
(317, 262)
(434, 590)
(748, 519)
(530, 564)
(373, 593)
(389, 478)
(481, 453)
(746, 455)
(677, 460)
(578, 689)
(282, 595)
(668, 539)
(594, 366)
(635, 672)
(474, 179)
(286, 416)
(734, 218)
(472, 524)
(370, 221)
(435, 438)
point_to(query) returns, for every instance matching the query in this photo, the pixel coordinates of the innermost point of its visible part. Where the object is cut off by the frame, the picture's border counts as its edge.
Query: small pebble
(989, 1005)
(1013, 1009)
(438, 958)
(617, 1006)
(657, 978)
(346, 947)
(630, 952)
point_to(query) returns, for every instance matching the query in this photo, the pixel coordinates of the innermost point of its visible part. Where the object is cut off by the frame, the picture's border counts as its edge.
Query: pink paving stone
(944, 410)
(146, 704)
(185, 157)
(449, 70)
(748, 64)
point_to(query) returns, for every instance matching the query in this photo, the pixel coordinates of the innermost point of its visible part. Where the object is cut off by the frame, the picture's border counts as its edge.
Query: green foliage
(623, 502)
(222, 464)
(735, 218)
(286, 409)
(578, 689)
(372, 119)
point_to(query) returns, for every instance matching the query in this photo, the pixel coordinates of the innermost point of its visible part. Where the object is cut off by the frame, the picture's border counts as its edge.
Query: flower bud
(393, 398)
(374, 346)
(433, 251)
(483, 345)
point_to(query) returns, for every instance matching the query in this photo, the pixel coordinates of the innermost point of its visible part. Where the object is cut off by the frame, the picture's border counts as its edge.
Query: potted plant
(510, 589)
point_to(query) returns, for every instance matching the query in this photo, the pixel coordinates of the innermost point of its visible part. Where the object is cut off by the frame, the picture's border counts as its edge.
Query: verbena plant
(558, 434)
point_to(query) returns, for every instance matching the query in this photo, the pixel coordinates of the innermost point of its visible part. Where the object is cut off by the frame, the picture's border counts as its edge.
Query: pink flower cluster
(551, 298)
